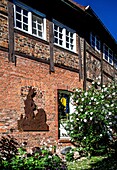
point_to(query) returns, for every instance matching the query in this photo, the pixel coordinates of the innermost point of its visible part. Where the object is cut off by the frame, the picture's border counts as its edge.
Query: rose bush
(93, 124)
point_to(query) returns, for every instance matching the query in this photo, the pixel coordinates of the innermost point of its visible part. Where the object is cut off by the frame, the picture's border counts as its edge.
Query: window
(108, 54)
(65, 108)
(95, 42)
(29, 20)
(64, 36)
(115, 63)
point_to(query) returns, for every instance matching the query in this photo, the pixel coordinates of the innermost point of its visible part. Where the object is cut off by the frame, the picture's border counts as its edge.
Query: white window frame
(31, 13)
(109, 56)
(63, 134)
(95, 42)
(62, 39)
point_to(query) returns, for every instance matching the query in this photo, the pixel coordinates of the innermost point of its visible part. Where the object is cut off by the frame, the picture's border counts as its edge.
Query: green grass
(94, 163)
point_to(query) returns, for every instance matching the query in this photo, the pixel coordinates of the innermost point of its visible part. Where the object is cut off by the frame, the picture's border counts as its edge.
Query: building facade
(45, 52)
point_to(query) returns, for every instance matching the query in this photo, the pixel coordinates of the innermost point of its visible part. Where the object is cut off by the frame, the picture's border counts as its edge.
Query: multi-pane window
(29, 21)
(108, 54)
(64, 37)
(95, 42)
(115, 63)
(69, 40)
(58, 35)
(21, 16)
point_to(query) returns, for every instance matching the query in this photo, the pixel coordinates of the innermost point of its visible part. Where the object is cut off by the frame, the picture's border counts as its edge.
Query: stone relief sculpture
(31, 121)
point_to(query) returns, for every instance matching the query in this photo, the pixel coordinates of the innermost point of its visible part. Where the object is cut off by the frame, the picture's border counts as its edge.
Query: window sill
(64, 140)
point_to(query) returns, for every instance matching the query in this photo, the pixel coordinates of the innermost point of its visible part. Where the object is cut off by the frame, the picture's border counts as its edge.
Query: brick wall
(36, 74)
(3, 24)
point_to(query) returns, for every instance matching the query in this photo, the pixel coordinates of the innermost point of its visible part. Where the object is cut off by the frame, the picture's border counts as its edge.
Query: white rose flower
(99, 77)
(107, 105)
(82, 99)
(92, 98)
(102, 97)
(110, 123)
(85, 120)
(86, 93)
(91, 118)
(110, 113)
(105, 89)
(111, 130)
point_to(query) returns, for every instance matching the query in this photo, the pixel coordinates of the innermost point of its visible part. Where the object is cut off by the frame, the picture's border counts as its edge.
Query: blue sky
(106, 10)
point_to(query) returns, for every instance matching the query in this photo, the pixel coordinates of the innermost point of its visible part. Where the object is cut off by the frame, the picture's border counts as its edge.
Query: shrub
(93, 125)
(8, 147)
(40, 159)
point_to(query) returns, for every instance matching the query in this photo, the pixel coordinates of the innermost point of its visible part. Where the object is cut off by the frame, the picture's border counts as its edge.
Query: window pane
(93, 38)
(25, 19)
(67, 39)
(25, 27)
(39, 20)
(39, 34)
(60, 42)
(25, 12)
(67, 33)
(71, 35)
(63, 105)
(110, 61)
(34, 25)
(18, 24)
(34, 31)
(71, 41)
(71, 47)
(55, 27)
(18, 9)
(60, 29)
(93, 43)
(18, 16)
(60, 35)
(106, 57)
(56, 40)
(39, 27)
(67, 45)
(56, 34)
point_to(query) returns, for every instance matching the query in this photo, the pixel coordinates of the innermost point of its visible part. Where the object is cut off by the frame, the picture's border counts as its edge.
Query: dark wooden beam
(51, 47)
(11, 55)
(84, 63)
(101, 64)
(80, 59)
